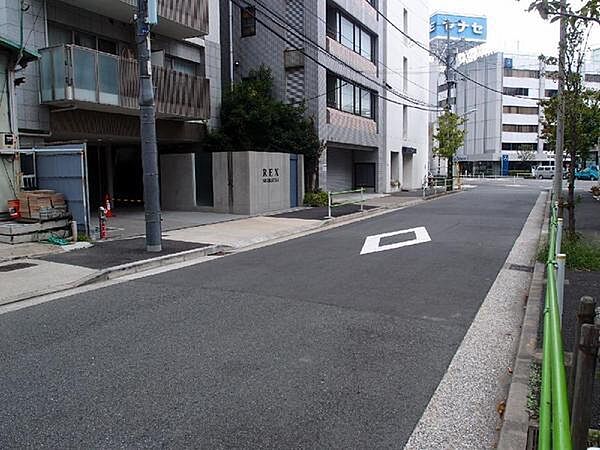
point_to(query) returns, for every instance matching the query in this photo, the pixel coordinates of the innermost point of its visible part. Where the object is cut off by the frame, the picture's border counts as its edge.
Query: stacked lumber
(42, 204)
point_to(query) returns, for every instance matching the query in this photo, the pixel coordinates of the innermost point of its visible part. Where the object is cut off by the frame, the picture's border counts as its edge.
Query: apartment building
(81, 87)
(503, 123)
(344, 60)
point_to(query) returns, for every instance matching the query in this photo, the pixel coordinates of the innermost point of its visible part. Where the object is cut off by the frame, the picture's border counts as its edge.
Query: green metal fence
(554, 432)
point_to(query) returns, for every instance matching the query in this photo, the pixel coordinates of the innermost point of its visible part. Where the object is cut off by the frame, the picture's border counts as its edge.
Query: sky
(510, 27)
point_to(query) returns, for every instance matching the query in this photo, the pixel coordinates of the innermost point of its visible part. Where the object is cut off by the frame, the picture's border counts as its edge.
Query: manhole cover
(15, 266)
(521, 268)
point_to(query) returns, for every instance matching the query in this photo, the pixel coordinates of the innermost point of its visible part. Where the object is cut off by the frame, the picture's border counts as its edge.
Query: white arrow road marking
(371, 244)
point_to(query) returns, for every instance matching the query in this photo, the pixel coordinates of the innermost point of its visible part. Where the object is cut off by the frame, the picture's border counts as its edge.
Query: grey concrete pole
(148, 132)
(560, 117)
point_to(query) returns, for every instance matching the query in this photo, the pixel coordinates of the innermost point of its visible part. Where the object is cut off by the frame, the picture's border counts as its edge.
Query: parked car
(589, 173)
(542, 172)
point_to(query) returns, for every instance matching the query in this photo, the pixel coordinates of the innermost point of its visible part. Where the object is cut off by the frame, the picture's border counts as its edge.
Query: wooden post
(585, 314)
(584, 385)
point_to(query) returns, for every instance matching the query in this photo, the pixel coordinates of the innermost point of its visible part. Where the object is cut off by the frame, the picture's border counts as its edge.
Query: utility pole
(450, 161)
(560, 117)
(148, 128)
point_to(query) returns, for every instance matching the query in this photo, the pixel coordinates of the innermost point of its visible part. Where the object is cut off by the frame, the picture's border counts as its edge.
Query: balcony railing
(94, 80)
(177, 18)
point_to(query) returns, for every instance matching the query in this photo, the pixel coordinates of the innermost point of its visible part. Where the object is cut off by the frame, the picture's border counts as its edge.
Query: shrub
(318, 198)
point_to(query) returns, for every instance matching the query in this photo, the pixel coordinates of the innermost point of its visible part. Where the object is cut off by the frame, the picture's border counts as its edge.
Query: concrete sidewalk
(43, 268)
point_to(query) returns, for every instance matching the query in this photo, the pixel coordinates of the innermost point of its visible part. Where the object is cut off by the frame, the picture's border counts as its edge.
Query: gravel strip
(462, 414)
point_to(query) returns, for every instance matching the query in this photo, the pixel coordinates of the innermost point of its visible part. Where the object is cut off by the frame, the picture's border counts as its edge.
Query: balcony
(77, 76)
(179, 19)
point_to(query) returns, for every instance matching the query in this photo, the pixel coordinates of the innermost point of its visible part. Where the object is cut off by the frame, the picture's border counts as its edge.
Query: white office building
(503, 120)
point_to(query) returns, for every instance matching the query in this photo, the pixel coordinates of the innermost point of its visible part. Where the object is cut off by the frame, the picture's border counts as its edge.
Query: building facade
(83, 87)
(344, 60)
(504, 120)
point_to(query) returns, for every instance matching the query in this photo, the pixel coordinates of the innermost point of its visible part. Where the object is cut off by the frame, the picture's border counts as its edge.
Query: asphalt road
(303, 344)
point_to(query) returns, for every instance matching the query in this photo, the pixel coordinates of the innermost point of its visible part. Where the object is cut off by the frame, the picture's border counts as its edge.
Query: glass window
(107, 46)
(333, 94)
(181, 65)
(85, 40)
(366, 108)
(332, 23)
(366, 45)
(248, 21)
(347, 33)
(348, 97)
(58, 35)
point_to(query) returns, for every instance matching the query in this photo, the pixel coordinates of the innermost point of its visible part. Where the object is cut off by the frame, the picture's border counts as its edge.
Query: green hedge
(315, 199)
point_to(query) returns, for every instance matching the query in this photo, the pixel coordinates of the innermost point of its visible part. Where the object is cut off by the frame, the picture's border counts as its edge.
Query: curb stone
(111, 273)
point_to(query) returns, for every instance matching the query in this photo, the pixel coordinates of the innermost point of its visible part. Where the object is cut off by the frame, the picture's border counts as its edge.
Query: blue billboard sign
(460, 27)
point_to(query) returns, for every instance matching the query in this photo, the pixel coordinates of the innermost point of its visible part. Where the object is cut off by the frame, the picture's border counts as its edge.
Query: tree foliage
(252, 119)
(588, 10)
(450, 136)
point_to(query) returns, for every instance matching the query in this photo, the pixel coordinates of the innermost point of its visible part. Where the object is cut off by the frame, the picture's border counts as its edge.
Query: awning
(26, 55)
(409, 150)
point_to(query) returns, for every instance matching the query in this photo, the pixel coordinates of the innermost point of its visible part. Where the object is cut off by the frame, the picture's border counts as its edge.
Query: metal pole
(329, 205)
(148, 132)
(362, 199)
(561, 260)
(560, 117)
(559, 231)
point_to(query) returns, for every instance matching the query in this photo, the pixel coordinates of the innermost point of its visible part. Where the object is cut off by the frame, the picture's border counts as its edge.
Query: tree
(588, 11)
(582, 111)
(252, 119)
(526, 153)
(450, 137)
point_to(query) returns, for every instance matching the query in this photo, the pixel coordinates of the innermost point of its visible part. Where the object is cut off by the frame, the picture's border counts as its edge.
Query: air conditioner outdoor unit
(8, 141)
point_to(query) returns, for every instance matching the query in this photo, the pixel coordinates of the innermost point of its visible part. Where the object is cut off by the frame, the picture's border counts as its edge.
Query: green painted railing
(555, 430)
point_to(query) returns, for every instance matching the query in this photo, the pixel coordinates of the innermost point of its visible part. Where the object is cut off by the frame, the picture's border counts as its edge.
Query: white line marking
(371, 244)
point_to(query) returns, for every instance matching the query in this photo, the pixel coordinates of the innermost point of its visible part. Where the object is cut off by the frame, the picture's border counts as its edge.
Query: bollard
(74, 231)
(559, 233)
(584, 385)
(102, 222)
(329, 206)
(362, 190)
(561, 261)
(585, 315)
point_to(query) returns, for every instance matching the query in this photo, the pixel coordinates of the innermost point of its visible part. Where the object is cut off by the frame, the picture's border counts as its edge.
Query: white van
(544, 172)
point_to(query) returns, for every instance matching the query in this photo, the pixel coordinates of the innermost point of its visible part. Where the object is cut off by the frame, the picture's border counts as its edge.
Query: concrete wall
(261, 182)
(178, 181)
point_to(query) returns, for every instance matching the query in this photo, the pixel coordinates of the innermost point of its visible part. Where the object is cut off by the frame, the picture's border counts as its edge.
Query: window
(550, 92)
(404, 121)
(366, 45)
(519, 146)
(532, 110)
(350, 33)
(248, 21)
(516, 91)
(405, 21)
(57, 35)
(520, 128)
(181, 65)
(405, 73)
(350, 97)
(592, 77)
(521, 73)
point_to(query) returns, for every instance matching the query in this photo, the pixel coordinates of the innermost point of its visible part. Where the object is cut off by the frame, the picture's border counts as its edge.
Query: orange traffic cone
(108, 206)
